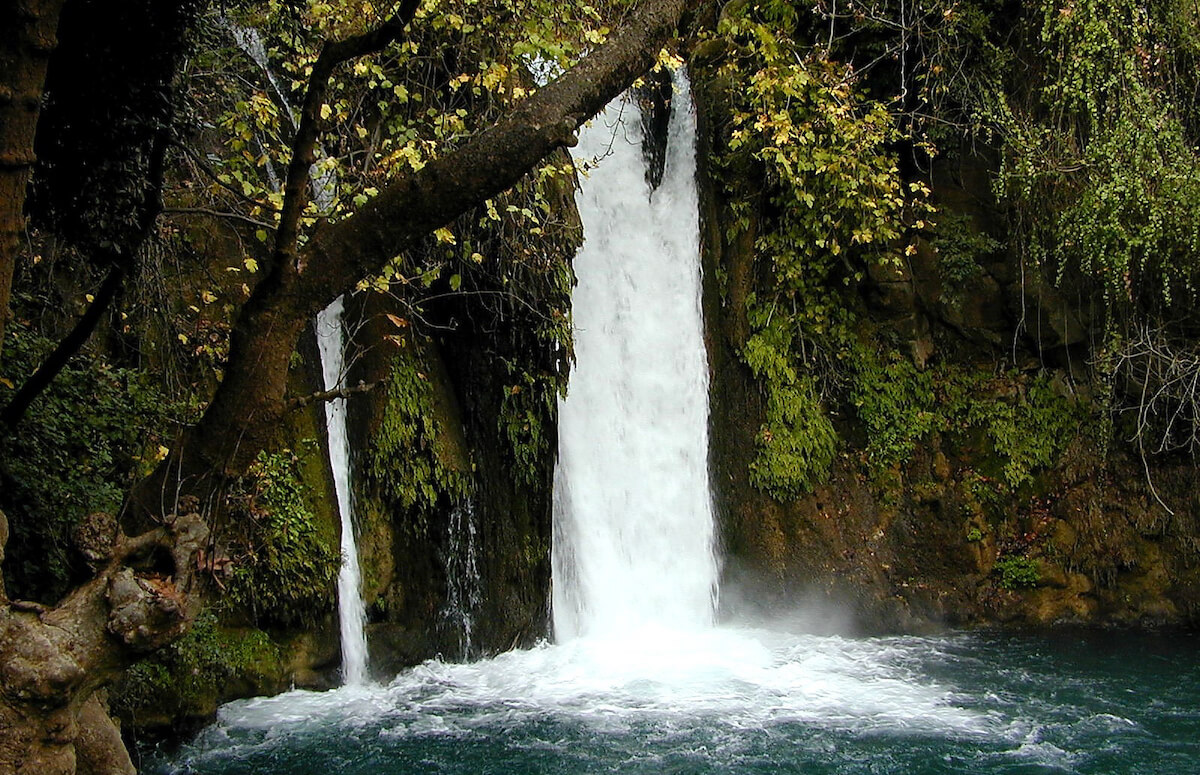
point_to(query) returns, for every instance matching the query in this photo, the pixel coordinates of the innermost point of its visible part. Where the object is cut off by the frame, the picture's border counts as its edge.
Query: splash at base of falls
(734, 702)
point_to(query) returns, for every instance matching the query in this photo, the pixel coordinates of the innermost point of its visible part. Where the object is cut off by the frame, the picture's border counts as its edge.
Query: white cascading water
(633, 523)
(463, 584)
(351, 611)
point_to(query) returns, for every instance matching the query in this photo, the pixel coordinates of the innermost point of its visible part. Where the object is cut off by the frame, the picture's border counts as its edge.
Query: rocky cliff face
(985, 514)
(455, 557)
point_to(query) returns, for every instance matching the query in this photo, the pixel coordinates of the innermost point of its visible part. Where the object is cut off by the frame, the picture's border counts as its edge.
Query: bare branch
(12, 413)
(218, 214)
(330, 395)
(207, 169)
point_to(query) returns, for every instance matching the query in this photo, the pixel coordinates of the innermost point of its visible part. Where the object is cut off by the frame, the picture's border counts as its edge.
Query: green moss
(284, 565)
(1030, 432)
(797, 443)
(960, 247)
(528, 410)
(896, 402)
(410, 459)
(191, 676)
(1025, 422)
(534, 551)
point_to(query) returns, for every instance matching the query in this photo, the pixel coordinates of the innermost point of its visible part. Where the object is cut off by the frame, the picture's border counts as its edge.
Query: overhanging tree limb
(330, 395)
(341, 254)
(243, 415)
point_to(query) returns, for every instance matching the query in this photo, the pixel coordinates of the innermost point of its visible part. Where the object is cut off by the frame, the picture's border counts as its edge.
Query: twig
(216, 177)
(330, 395)
(218, 214)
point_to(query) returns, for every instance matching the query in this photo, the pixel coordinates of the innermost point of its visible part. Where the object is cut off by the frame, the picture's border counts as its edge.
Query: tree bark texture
(27, 38)
(244, 413)
(52, 660)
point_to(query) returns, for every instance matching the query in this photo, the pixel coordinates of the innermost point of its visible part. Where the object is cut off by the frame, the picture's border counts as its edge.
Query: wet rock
(145, 612)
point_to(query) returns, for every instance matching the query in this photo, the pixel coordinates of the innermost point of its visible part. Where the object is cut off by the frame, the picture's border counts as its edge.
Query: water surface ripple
(741, 701)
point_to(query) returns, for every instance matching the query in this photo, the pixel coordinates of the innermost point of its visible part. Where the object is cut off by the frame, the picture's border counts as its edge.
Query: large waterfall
(351, 611)
(633, 525)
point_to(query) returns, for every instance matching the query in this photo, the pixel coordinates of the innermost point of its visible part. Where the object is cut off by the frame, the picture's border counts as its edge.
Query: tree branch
(218, 214)
(340, 254)
(70, 344)
(295, 189)
(329, 395)
(207, 169)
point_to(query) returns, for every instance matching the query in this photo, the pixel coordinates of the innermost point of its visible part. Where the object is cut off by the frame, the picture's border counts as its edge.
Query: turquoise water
(743, 701)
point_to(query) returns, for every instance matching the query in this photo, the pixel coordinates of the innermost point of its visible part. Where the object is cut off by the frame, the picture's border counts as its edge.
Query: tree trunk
(27, 38)
(99, 749)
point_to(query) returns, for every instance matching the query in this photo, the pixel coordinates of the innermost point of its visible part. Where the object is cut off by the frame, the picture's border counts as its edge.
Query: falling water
(463, 593)
(633, 524)
(351, 611)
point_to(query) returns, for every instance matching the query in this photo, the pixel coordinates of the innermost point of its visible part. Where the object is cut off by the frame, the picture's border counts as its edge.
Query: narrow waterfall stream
(463, 593)
(641, 680)
(351, 611)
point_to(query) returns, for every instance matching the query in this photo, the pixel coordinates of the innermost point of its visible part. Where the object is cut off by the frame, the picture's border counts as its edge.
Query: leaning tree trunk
(27, 38)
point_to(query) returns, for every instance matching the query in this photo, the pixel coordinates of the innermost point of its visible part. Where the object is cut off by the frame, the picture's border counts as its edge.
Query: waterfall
(351, 611)
(463, 584)
(633, 523)
(640, 681)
